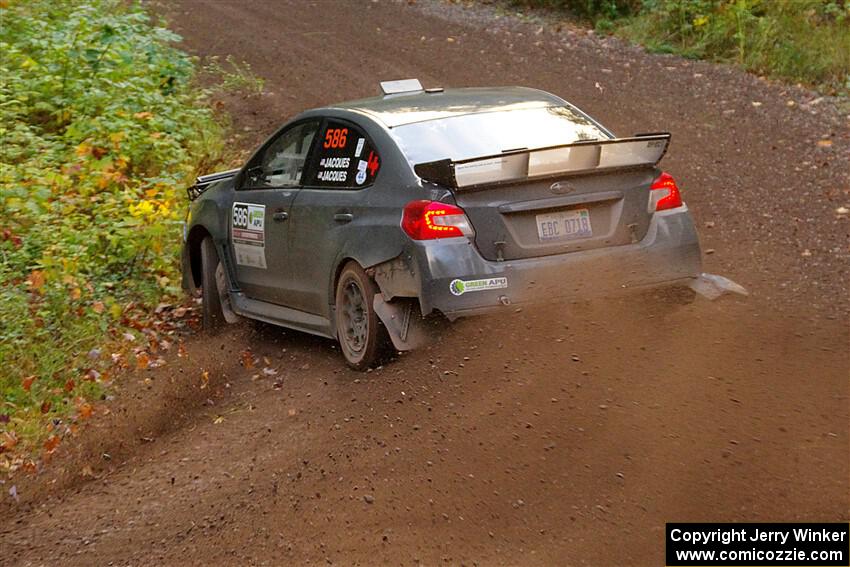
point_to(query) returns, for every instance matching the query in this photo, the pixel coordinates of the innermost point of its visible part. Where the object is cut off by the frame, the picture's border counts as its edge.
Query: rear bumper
(668, 255)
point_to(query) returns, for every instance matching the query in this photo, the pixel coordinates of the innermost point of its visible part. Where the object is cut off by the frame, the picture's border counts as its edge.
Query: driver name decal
(347, 160)
(249, 234)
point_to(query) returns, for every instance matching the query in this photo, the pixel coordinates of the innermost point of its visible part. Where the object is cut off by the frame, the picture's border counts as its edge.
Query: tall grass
(806, 41)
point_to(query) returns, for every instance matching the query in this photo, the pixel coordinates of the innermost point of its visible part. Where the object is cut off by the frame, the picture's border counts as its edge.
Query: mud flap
(712, 286)
(223, 287)
(403, 322)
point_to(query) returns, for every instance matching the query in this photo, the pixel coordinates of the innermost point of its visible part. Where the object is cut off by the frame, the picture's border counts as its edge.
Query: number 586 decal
(335, 138)
(248, 233)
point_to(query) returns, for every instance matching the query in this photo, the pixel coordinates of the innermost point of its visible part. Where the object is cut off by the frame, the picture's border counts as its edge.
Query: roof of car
(407, 108)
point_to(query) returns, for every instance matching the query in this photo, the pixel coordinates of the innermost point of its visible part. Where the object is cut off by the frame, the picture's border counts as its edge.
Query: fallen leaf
(291, 412)
(36, 279)
(76, 293)
(247, 359)
(10, 439)
(86, 411)
(218, 420)
(205, 379)
(143, 115)
(70, 385)
(181, 349)
(45, 406)
(51, 443)
(142, 360)
(4, 418)
(86, 471)
(26, 383)
(824, 143)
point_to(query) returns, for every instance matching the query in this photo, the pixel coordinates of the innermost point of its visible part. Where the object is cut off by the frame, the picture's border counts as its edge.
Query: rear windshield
(487, 133)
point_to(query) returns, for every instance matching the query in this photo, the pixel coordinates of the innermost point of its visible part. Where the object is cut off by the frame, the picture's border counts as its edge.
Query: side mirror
(253, 176)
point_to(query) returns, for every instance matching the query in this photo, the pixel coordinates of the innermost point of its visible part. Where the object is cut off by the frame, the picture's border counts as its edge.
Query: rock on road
(565, 435)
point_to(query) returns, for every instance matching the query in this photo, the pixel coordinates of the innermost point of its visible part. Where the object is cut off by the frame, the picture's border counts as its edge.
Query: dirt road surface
(565, 435)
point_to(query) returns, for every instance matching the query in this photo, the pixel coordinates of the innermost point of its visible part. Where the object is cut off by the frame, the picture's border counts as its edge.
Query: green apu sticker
(459, 287)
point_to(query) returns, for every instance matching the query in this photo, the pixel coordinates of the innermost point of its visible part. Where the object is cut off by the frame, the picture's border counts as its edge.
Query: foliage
(234, 76)
(592, 10)
(799, 40)
(101, 130)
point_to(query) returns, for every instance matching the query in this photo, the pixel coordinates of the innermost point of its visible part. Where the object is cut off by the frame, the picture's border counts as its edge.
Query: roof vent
(402, 86)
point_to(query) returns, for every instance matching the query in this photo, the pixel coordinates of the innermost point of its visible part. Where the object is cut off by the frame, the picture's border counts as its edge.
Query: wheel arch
(192, 258)
(337, 271)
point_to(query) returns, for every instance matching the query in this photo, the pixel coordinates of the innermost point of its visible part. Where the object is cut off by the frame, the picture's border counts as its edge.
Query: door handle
(343, 217)
(280, 216)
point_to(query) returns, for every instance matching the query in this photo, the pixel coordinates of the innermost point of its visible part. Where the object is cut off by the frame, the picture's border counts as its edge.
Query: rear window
(487, 133)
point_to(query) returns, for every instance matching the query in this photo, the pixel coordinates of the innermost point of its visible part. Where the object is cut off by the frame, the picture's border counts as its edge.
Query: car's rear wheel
(362, 337)
(213, 314)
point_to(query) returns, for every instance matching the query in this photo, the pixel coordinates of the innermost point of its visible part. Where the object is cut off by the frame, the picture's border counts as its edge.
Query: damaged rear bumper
(451, 277)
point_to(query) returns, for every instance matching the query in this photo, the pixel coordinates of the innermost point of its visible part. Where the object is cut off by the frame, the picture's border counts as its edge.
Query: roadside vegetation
(101, 129)
(805, 41)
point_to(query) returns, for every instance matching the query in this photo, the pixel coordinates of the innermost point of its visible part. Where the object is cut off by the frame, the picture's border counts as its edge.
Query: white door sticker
(249, 234)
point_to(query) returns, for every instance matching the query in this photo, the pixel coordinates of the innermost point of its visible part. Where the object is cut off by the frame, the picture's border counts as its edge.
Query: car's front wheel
(362, 337)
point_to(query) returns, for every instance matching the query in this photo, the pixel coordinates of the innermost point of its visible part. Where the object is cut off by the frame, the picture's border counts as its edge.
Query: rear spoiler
(577, 158)
(204, 181)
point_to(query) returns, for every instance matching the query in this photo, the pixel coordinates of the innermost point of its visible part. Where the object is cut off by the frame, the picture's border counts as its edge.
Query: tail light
(664, 193)
(427, 220)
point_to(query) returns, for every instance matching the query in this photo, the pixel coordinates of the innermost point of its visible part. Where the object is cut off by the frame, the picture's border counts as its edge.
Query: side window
(345, 158)
(282, 162)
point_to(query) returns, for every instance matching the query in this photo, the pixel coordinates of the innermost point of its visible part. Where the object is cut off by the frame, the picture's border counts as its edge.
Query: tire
(362, 337)
(213, 315)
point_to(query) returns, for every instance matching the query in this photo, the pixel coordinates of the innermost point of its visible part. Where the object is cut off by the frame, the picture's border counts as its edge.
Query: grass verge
(802, 41)
(101, 129)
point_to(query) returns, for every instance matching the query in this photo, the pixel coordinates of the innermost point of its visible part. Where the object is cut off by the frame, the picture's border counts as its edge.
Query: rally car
(359, 220)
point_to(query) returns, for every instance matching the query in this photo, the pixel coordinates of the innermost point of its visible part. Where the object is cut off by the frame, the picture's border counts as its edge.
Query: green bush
(799, 40)
(804, 41)
(591, 10)
(101, 129)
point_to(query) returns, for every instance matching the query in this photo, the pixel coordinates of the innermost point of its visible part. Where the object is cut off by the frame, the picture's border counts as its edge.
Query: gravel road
(565, 435)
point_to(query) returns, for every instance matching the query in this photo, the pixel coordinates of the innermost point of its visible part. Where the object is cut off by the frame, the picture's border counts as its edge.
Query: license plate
(564, 225)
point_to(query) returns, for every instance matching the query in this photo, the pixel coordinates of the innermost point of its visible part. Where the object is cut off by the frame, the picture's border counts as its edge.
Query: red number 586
(335, 138)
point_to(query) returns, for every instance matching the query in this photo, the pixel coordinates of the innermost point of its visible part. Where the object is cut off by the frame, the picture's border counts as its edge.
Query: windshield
(487, 133)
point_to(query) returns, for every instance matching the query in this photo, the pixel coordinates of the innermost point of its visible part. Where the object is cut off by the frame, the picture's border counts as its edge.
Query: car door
(332, 203)
(260, 215)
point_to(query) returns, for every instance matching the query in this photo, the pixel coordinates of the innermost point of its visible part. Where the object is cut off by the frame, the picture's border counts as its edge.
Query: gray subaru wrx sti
(358, 220)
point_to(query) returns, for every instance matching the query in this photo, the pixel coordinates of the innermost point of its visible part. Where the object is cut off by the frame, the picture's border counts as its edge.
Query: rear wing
(577, 158)
(203, 182)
